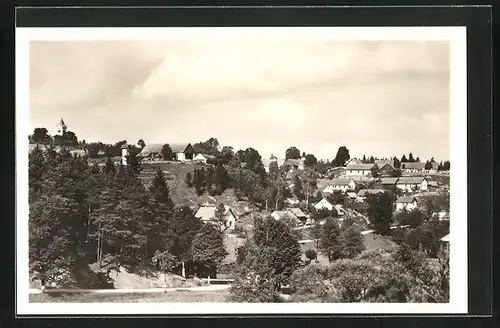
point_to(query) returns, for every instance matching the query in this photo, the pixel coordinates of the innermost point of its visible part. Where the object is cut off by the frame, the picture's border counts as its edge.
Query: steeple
(61, 127)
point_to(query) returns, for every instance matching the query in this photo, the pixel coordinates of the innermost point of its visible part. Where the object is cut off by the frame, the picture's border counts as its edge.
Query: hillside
(175, 173)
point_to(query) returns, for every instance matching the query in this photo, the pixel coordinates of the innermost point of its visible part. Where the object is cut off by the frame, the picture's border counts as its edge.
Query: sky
(379, 98)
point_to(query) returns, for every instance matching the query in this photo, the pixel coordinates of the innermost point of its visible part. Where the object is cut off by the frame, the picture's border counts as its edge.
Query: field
(168, 297)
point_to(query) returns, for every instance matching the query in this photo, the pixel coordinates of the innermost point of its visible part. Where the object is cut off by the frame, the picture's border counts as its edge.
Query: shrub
(311, 254)
(311, 280)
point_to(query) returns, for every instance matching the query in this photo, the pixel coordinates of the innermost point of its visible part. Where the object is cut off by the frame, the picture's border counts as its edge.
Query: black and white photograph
(310, 169)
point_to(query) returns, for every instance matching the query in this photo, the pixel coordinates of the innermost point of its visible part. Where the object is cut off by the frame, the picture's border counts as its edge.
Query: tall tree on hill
(364, 159)
(380, 211)
(226, 154)
(141, 144)
(221, 179)
(428, 165)
(310, 183)
(134, 161)
(410, 158)
(41, 135)
(342, 156)
(397, 163)
(208, 249)
(297, 188)
(310, 160)
(273, 171)
(37, 168)
(375, 171)
(198, 182)
(351, 241)
(329, 237)
(403, 159)
(188, 180)
(292, 153)
(167, 153)
(417, 160)
(446, 165)
(371, 160)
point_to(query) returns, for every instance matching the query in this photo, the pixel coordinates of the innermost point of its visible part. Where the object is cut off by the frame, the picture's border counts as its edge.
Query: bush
(311, 280)
(311, 254)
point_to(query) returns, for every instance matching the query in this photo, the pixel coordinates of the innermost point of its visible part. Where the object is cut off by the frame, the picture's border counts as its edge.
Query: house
(412, 167)
(61, 128)
(182, 151)
(412, 183)
(445, 239)
(204, 158)
(432, 184)
(78, 152)
(286, 214)
(292, 201)
(323, 204)
(388, 183)
(358, 170)
(293, 164)
(353, 161)
(298, 214)
(386, 169)
(351, 195)
(406, 203)
(335, 172)
(432, 170)
(363, 193)
(206, 213)
(321, 184)
(267, 162)
(339, 184)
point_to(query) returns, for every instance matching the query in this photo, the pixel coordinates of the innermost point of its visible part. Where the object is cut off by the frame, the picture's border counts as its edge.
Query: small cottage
(204, 158)
(339, 184)
(206, 213)
(407, 203)
(358, 170)
(412, 167)
(323, 204)
(412, 183)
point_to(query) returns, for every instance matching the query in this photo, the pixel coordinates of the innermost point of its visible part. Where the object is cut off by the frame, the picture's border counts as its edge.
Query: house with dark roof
(407, 203)
(182, 151)
(412, 183)
(412, 167)
(386, 168)
(388, 183)
(358, 170)
(362, 193)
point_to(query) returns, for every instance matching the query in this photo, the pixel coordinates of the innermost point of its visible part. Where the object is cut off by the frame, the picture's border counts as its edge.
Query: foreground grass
(168, 297)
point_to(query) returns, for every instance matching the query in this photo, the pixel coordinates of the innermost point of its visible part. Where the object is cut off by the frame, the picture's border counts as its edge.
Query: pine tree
(403, 159)
(410, 158)
(189, 180)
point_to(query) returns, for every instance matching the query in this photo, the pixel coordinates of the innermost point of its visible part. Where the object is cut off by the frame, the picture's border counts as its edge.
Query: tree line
(81, 214)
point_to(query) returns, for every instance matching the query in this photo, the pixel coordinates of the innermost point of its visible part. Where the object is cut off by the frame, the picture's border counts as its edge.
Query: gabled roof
(386, 165)
(353, 161)
(179, 147)
(382, 162)
(410, 180)
(297, 212)
(389, 181)
(446, 238)
(340, 181)
(413, 165)
(155, 148)
(206, 156)
(323, 183)
(284, 214)
(325, 202)
(364, 192)
(360, 167)
(406, 199)
(207, 213)
(290, 161)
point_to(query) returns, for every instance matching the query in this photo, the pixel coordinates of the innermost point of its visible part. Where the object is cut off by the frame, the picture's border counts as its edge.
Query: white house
(286, 214)
(323, 204)
(204, 158)
(339, 184)
(206, 214)
(412, 183)
(124, 154)
(406, 203)
(353, 161)
(412, 167)
(182, 151)
(358, 170)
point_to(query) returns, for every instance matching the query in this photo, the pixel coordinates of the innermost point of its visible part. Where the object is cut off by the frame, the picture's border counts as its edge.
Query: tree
(375, 171)
(165, 261)
(134, 161)
(292, 153)
(141, 144)
(330, 239)
(342, 156)
(403, 159)
(40, 135)
(395, 173)
(428, 165)
(167, 153)
(222, 179)
(297, 188)
(351, 241)
(227, 154)
(160, 192)
(311, 254)
(397, 163)
(371, 160)
(380, 211)
(70, 139)
(363, 160)
(207, 248)
(189, 180)
(310, 160)
(446, 165)
(410, 158)
(417, 160)
(220, 215)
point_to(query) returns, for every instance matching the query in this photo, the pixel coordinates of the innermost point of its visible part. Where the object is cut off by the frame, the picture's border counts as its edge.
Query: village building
(204, 158)
(298, 213)
(353, 161)
(293, 164)
(182, 151)
(407, 203)
(286, 214)
(61, 128)
(388, 183)
(323, 204)
(339, 184)
(412, 167)
(267, 162)
(358, 170)
(386, 169)
(363, 193)
(335, 172)
(351, 195)
(412, 183)
(206, 213)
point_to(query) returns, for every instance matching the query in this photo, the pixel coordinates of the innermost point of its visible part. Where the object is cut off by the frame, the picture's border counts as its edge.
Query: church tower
(61, 128)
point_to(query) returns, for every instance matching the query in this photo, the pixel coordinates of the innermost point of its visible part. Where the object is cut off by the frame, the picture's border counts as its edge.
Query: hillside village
(375, 204)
